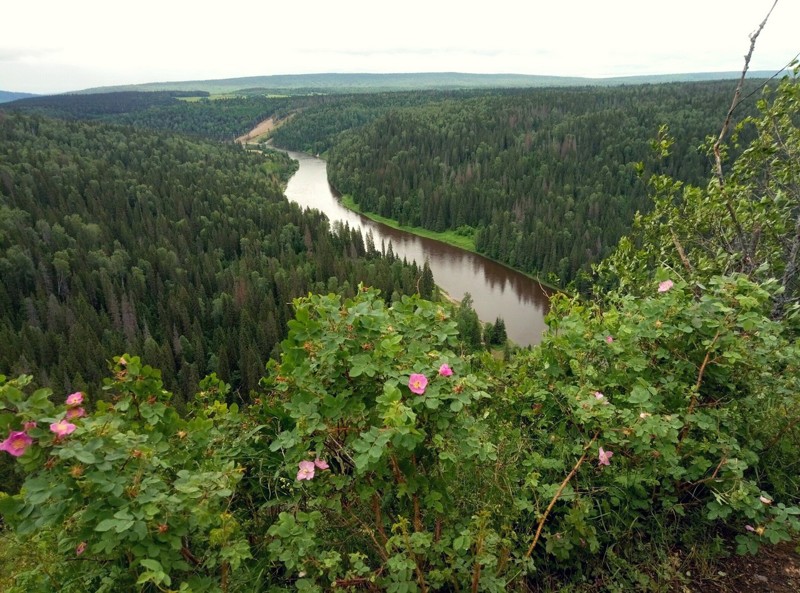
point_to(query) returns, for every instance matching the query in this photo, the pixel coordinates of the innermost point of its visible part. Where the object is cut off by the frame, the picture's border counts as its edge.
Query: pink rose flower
(609, 339)
(445, 370)
(62, 428)
(417, 383)
(80, 548)
(75, 413)
(17, 443)
(29, 425)
(665, 286)
(321, 463)
(604, 457)
(75, 399)
(306, 471)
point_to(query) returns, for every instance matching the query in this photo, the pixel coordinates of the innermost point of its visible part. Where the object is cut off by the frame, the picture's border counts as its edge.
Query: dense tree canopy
(113, 239)
(546, 180)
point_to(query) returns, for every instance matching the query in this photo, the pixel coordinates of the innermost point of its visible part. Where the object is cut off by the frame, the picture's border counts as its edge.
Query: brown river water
(497, 291)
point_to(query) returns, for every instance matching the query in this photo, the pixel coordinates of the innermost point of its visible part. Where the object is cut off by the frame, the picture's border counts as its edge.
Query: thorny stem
(417, 512)
(225, 569)
(420, 572)
(476, 568)
(381, 549)
(365, 582)
(558, 495)
(696, 390)
(376, 508)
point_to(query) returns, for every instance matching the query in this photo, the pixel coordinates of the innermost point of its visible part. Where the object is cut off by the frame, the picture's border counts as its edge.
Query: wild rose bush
(644, 424)
(377, 458)
(133, 495)
(693, 390)
(378, 395)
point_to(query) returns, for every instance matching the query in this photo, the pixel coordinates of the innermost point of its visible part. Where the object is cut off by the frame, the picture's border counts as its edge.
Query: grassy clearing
(449, 237)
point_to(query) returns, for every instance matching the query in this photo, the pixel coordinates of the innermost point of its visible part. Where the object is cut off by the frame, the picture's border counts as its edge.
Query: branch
(558, 495)
(684, 260)
(696, 391)
(736, 96)
(789, 273)
(734, 104)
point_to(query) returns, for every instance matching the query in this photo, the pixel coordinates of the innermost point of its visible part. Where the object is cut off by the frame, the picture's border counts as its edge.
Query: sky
(53, 46)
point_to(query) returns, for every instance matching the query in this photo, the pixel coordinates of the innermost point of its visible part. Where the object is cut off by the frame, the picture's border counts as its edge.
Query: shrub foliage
(662, 414)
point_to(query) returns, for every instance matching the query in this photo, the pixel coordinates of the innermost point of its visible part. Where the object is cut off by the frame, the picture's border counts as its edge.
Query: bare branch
(717, 158)
(736, 97)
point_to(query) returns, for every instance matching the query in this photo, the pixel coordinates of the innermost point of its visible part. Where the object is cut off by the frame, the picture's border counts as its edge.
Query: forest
(204, 388)
(117, 239)
(545, 180)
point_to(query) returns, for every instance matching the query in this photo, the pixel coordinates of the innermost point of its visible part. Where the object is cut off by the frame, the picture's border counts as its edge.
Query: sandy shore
(263, 128)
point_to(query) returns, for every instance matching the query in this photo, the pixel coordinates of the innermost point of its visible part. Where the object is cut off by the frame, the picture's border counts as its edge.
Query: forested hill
(334, 82)
(6, 96)
(546, 180)
(187, 112)
(114, 239)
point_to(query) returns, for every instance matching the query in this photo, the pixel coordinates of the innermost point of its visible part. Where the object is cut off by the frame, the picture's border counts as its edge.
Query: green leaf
(151, 564)
(106, 525)
(639, 395)
(85, 456)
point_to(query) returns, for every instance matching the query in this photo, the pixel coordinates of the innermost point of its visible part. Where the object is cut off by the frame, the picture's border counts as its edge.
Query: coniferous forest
(543, 180)
(117, 239)
(205, 388)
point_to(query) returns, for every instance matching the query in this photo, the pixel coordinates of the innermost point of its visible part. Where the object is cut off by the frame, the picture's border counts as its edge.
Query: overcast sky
(50, 46)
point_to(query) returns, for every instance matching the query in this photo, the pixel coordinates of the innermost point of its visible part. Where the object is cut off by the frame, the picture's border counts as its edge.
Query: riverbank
(448, 237)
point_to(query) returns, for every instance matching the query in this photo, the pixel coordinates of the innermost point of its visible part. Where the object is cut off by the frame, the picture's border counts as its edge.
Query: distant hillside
(98, 104)
(6, 96)
(334, 82)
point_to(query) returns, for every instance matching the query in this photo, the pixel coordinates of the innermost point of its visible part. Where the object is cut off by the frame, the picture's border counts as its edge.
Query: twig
(685, 260)
(711, 478)
(381, 549)
(558, 495)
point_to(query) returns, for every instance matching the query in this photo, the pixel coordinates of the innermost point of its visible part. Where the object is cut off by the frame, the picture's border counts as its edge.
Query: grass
(449, 237)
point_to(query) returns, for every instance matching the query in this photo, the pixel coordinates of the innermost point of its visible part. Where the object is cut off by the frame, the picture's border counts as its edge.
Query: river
(497, 291)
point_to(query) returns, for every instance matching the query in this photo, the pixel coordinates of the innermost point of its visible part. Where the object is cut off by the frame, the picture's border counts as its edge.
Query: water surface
(497, 291)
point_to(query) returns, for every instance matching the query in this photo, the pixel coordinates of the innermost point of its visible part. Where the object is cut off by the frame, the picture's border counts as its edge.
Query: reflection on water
(496, 290)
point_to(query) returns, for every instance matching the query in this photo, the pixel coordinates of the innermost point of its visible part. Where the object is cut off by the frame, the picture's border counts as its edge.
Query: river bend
(497, 291)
